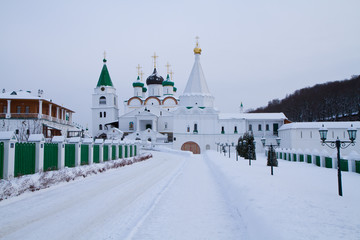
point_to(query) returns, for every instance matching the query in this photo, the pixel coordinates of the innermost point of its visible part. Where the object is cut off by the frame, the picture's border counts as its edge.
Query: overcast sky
(253, 51)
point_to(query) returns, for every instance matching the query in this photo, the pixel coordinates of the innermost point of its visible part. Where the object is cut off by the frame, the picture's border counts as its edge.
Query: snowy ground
(183, 196)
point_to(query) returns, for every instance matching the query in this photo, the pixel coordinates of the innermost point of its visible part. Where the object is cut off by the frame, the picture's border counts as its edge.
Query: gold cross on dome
(138, 69)
(168, 67)
(154, 57)
(141, 75)
(197, 41)
(171, 75)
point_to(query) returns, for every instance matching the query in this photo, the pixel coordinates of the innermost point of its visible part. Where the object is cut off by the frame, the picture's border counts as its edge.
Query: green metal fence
(289, 157)
(50, 156)
(69, 155)
(1, 160)
(131, 150)
(308, 159)
(357, 166)
(126, 151)
(328, 162)
(281, 155)
(113, 152)
(120, 151)
(317, 160)
(301, 157)
(106, 153)
(294, 157)
(344, 165)
(84, 160)
(135, 150)
(96, 153)
(285, 156)
(24, 159)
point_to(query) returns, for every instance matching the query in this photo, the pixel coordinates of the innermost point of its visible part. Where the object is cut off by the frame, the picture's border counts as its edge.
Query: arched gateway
(191, 146)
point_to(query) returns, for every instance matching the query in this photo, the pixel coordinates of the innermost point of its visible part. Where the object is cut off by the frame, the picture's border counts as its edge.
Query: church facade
(189, 122)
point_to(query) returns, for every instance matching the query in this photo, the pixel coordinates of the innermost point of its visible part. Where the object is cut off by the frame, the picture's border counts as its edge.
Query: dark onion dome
(137, 83)
(154, 78)
(168, 82)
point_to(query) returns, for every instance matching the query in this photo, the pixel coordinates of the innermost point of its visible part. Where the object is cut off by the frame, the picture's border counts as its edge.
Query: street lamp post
(338, 144)
(271, 150)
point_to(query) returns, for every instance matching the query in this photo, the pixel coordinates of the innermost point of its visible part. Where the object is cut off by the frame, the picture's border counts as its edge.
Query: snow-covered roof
(75, 140)
(58, 139)
(317, 125)
(99, 141)
(26, 95)
(253, 116)
(7, 135)
(196, 83)
(36, 138)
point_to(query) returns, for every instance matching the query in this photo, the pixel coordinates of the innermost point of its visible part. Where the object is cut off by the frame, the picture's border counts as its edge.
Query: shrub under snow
(30, 183)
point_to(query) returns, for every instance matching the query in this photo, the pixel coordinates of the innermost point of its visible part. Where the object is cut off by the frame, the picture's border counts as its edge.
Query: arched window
(259, 127)
(102, 100)
(104, 114)
(195, 128)
(250, 127)
(222, 130)
(101, 114)
(235, 129)
(100, 127)
(188, 129)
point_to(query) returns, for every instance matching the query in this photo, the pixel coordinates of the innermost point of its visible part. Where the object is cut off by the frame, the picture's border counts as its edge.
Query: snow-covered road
(177, 195)
(166, 197)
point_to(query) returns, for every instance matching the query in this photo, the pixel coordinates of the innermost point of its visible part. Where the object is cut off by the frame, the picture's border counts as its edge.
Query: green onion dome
(137, 83)
(144, 89)
(174, 89)
(168, 82)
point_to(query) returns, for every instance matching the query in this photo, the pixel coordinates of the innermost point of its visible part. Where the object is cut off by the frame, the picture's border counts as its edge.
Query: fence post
(39, 141)
(89, 142)
(100, 142)
(77, 142)
(9, 139)
(60, 140)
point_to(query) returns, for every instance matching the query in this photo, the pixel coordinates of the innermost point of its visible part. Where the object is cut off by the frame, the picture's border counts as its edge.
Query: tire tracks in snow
(156, 200)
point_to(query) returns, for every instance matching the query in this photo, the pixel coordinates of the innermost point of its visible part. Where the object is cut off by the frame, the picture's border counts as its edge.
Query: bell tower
(105, 107)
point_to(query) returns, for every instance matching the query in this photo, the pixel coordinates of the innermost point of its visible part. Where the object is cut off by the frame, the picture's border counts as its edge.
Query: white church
(188, 122)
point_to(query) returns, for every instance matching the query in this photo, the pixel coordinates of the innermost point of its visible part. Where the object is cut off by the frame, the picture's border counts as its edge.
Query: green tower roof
(104, 79)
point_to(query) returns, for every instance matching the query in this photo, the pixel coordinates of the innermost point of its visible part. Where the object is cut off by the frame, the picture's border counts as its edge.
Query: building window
(17, 131)
(188, 129)
(115, 101)
(222, 130)
(166, 125)
(235, 129)
(28, 131)
(301, 134)
(267, 127)
(195, 128)
(5, 109)
(101, 114)
(310, 134)
(259, 127)
(250, 128)
(18, 109)
(27, 109)
(100, 127)
(102, 100)
(104, 114)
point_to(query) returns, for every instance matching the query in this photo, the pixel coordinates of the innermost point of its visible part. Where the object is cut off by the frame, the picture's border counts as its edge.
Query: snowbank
(41, 180)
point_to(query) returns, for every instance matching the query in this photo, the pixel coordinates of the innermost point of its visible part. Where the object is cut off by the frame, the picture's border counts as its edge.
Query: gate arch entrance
(191, 146)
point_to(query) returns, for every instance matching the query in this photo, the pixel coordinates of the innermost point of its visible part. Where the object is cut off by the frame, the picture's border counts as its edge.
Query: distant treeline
(331, 101)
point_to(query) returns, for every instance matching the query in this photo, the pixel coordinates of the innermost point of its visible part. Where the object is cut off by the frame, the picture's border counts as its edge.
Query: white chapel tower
(105, 107)
(196, 93)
